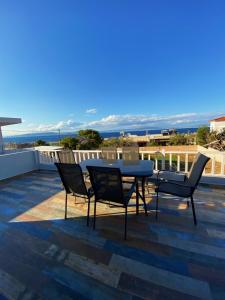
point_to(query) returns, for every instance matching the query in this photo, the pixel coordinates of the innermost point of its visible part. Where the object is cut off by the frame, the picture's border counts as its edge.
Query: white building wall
(217, 126)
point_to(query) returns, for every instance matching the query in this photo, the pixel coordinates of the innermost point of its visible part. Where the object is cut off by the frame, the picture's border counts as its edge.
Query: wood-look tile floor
(43, 256)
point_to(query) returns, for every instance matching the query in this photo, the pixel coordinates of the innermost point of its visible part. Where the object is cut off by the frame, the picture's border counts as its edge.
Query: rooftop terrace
(43, 256)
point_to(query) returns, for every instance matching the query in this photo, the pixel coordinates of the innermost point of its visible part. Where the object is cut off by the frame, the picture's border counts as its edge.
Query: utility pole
(59, 134)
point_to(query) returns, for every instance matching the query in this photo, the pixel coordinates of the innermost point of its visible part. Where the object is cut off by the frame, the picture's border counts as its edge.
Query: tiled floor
(42, 256)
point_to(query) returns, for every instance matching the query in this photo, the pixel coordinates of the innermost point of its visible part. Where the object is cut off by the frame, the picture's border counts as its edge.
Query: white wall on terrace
(14, 164)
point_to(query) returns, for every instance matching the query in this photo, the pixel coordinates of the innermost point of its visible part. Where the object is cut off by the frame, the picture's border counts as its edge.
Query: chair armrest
(173, 188)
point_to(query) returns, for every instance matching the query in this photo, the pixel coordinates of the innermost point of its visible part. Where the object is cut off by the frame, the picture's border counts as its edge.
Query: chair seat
(128, 190)
(90, 191)
(167, 175)
(175, 188)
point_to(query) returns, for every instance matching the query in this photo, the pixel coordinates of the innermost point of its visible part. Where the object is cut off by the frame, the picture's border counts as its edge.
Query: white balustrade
(182, 159)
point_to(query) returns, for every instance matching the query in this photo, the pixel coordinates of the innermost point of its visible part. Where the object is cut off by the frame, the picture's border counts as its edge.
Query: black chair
(73, 182)
(109, 153)
(130, 153)
(66, 157)
(109, 188)
(187, 187)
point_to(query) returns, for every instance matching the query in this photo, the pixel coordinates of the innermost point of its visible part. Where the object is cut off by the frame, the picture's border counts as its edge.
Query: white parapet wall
(18, 163)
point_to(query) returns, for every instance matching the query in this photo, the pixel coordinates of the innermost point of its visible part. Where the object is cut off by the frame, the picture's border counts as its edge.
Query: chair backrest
(197, 168)
(109, 153)
(66, 157)
(130, 153)
(107, 184)
(72, 178)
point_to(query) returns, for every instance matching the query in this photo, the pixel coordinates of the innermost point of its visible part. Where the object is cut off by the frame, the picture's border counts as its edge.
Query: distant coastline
(55, 137)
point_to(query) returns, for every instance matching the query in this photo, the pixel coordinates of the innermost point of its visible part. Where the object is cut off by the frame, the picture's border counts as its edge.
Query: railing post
(79, 156)
(170, 161)
(186, 163)
(178, 162)
(75, 156)
(156, 163)
(163, 159)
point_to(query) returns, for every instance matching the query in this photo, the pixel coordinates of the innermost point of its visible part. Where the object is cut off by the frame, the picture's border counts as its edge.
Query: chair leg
(66, 207)
(94, 215)
(75, 199)
(193, 210)
(145, 206)
(125, 229)
(188, 204)
(88, 212)
(157, 205)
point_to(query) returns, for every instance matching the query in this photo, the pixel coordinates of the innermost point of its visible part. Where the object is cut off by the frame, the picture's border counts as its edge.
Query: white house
(5, 122)
(217, 124)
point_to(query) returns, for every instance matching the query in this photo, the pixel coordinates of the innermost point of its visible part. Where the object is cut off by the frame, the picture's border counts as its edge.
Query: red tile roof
(218, 119)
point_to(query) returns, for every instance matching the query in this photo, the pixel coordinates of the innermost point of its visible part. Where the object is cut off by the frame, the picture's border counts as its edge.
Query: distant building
(217, 124)
(168, 131)
(5, 122)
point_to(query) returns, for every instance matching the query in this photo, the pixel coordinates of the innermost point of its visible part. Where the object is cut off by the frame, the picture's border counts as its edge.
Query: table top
(139, 168)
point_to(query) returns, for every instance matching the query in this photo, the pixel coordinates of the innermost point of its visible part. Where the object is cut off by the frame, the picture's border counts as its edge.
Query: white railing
(176, 160)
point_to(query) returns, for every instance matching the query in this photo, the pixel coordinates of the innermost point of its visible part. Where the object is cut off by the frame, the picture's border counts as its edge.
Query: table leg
(137, 196)
(143, 194)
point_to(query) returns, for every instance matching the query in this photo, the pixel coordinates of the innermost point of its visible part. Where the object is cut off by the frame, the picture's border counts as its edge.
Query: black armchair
(73, 182)
(66, 157)
(187, 187)
(109, 188)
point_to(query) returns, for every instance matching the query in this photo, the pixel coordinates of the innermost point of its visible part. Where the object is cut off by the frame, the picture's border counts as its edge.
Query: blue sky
(111, 64)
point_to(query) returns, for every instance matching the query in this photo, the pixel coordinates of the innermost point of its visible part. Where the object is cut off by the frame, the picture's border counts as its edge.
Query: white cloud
(68, 125)
(128, 121)
(119, 122)
(91, 111)
(62, 125)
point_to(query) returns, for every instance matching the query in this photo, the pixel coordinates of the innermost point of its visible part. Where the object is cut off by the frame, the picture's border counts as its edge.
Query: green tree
(118, 142)
(153, 144)
(69, 143)
(40, 143)
(202, 135)
(178, 139)
(111, 142)
(89, 139)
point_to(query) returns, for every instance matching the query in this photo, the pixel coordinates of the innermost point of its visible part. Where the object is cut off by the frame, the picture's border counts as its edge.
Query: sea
(55, 137)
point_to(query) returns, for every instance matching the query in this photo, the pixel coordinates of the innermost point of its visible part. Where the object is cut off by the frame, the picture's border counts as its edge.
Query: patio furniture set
(113, 181)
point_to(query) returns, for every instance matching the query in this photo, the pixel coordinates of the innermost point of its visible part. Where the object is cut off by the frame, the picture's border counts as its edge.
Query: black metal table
(140, 170)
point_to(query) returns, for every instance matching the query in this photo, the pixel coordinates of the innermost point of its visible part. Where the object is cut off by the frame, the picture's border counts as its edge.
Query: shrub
(41, 143)
(178, 139)
(89, 139)
(69, 143)
(202, 135)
